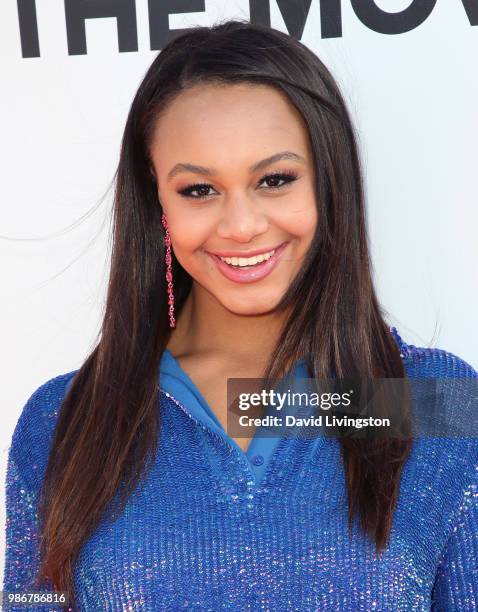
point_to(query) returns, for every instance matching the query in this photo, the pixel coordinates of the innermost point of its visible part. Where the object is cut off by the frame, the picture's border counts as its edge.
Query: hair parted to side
(107, 430)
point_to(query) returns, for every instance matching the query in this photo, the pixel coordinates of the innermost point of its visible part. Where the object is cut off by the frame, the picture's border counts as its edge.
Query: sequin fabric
(205, 533)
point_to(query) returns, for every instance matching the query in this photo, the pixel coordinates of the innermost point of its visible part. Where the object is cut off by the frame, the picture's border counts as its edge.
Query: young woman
(240, 250)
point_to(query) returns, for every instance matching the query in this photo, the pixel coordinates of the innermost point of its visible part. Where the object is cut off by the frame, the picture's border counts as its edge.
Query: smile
(248, 269)
(248, 261)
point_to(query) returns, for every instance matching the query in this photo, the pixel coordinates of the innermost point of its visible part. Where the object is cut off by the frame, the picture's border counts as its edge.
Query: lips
(248, 274)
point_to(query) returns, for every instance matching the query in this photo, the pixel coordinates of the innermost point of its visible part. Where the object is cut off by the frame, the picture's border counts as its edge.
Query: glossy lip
(249, 275)
(244, 253)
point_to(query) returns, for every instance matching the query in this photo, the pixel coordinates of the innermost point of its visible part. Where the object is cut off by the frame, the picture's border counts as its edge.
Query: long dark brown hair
(107, 430)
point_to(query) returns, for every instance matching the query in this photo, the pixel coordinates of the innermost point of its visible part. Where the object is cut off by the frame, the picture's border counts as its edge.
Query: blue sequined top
(215, 528)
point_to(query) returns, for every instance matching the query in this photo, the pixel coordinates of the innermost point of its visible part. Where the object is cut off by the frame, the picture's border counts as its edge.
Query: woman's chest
(202, 535)
(212, 379)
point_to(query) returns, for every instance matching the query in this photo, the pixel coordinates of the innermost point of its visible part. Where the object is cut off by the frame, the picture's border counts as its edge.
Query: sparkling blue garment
(214, 528)
(179, 385)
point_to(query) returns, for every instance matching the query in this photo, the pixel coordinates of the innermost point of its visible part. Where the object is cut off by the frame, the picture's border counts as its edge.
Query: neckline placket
(262, 449)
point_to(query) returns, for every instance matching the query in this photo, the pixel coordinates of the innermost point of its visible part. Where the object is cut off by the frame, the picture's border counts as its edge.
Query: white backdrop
(414, 99)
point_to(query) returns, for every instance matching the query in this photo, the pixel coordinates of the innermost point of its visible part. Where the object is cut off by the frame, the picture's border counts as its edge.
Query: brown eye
(272, 180)
(201, 188)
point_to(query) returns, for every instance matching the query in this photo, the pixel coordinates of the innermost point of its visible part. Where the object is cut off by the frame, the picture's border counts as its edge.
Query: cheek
(302, 220)
(188, 242)
(187, 236)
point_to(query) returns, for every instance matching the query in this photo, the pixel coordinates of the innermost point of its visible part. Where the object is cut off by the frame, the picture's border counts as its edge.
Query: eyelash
(289, 177)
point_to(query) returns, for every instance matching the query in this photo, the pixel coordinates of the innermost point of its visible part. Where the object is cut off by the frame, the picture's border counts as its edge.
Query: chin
(250, 308)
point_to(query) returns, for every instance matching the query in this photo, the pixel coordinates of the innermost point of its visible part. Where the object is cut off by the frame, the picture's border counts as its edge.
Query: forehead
(228, 123)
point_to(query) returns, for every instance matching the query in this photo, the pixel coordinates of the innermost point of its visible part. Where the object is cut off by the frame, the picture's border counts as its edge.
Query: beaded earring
(169, 273)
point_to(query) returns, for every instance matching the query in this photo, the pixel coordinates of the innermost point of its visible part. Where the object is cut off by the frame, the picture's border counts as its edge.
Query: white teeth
(248, 261)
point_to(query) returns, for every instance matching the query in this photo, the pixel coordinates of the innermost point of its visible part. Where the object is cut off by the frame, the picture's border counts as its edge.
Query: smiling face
(235, 176)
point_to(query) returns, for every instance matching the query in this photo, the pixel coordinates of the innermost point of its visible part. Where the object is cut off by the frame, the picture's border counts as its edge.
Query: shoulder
(444, 391)
(447, 461)
(35, 426)
(41, 409)
(432, 362)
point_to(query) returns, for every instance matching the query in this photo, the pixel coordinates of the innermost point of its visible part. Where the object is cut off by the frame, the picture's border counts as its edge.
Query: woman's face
(235, 177)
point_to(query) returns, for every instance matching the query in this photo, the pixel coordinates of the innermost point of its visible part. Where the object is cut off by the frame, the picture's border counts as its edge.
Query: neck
(206, 326)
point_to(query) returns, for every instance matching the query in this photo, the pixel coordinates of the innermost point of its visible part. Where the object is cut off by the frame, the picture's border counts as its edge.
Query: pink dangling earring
(169, 273)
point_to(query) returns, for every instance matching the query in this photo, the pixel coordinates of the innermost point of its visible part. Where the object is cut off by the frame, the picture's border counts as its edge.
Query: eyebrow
(185, 167)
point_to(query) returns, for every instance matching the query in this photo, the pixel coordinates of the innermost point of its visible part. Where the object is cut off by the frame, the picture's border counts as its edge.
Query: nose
(241, 219)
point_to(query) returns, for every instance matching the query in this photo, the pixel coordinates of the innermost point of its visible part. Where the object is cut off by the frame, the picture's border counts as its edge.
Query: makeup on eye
(287, 176)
